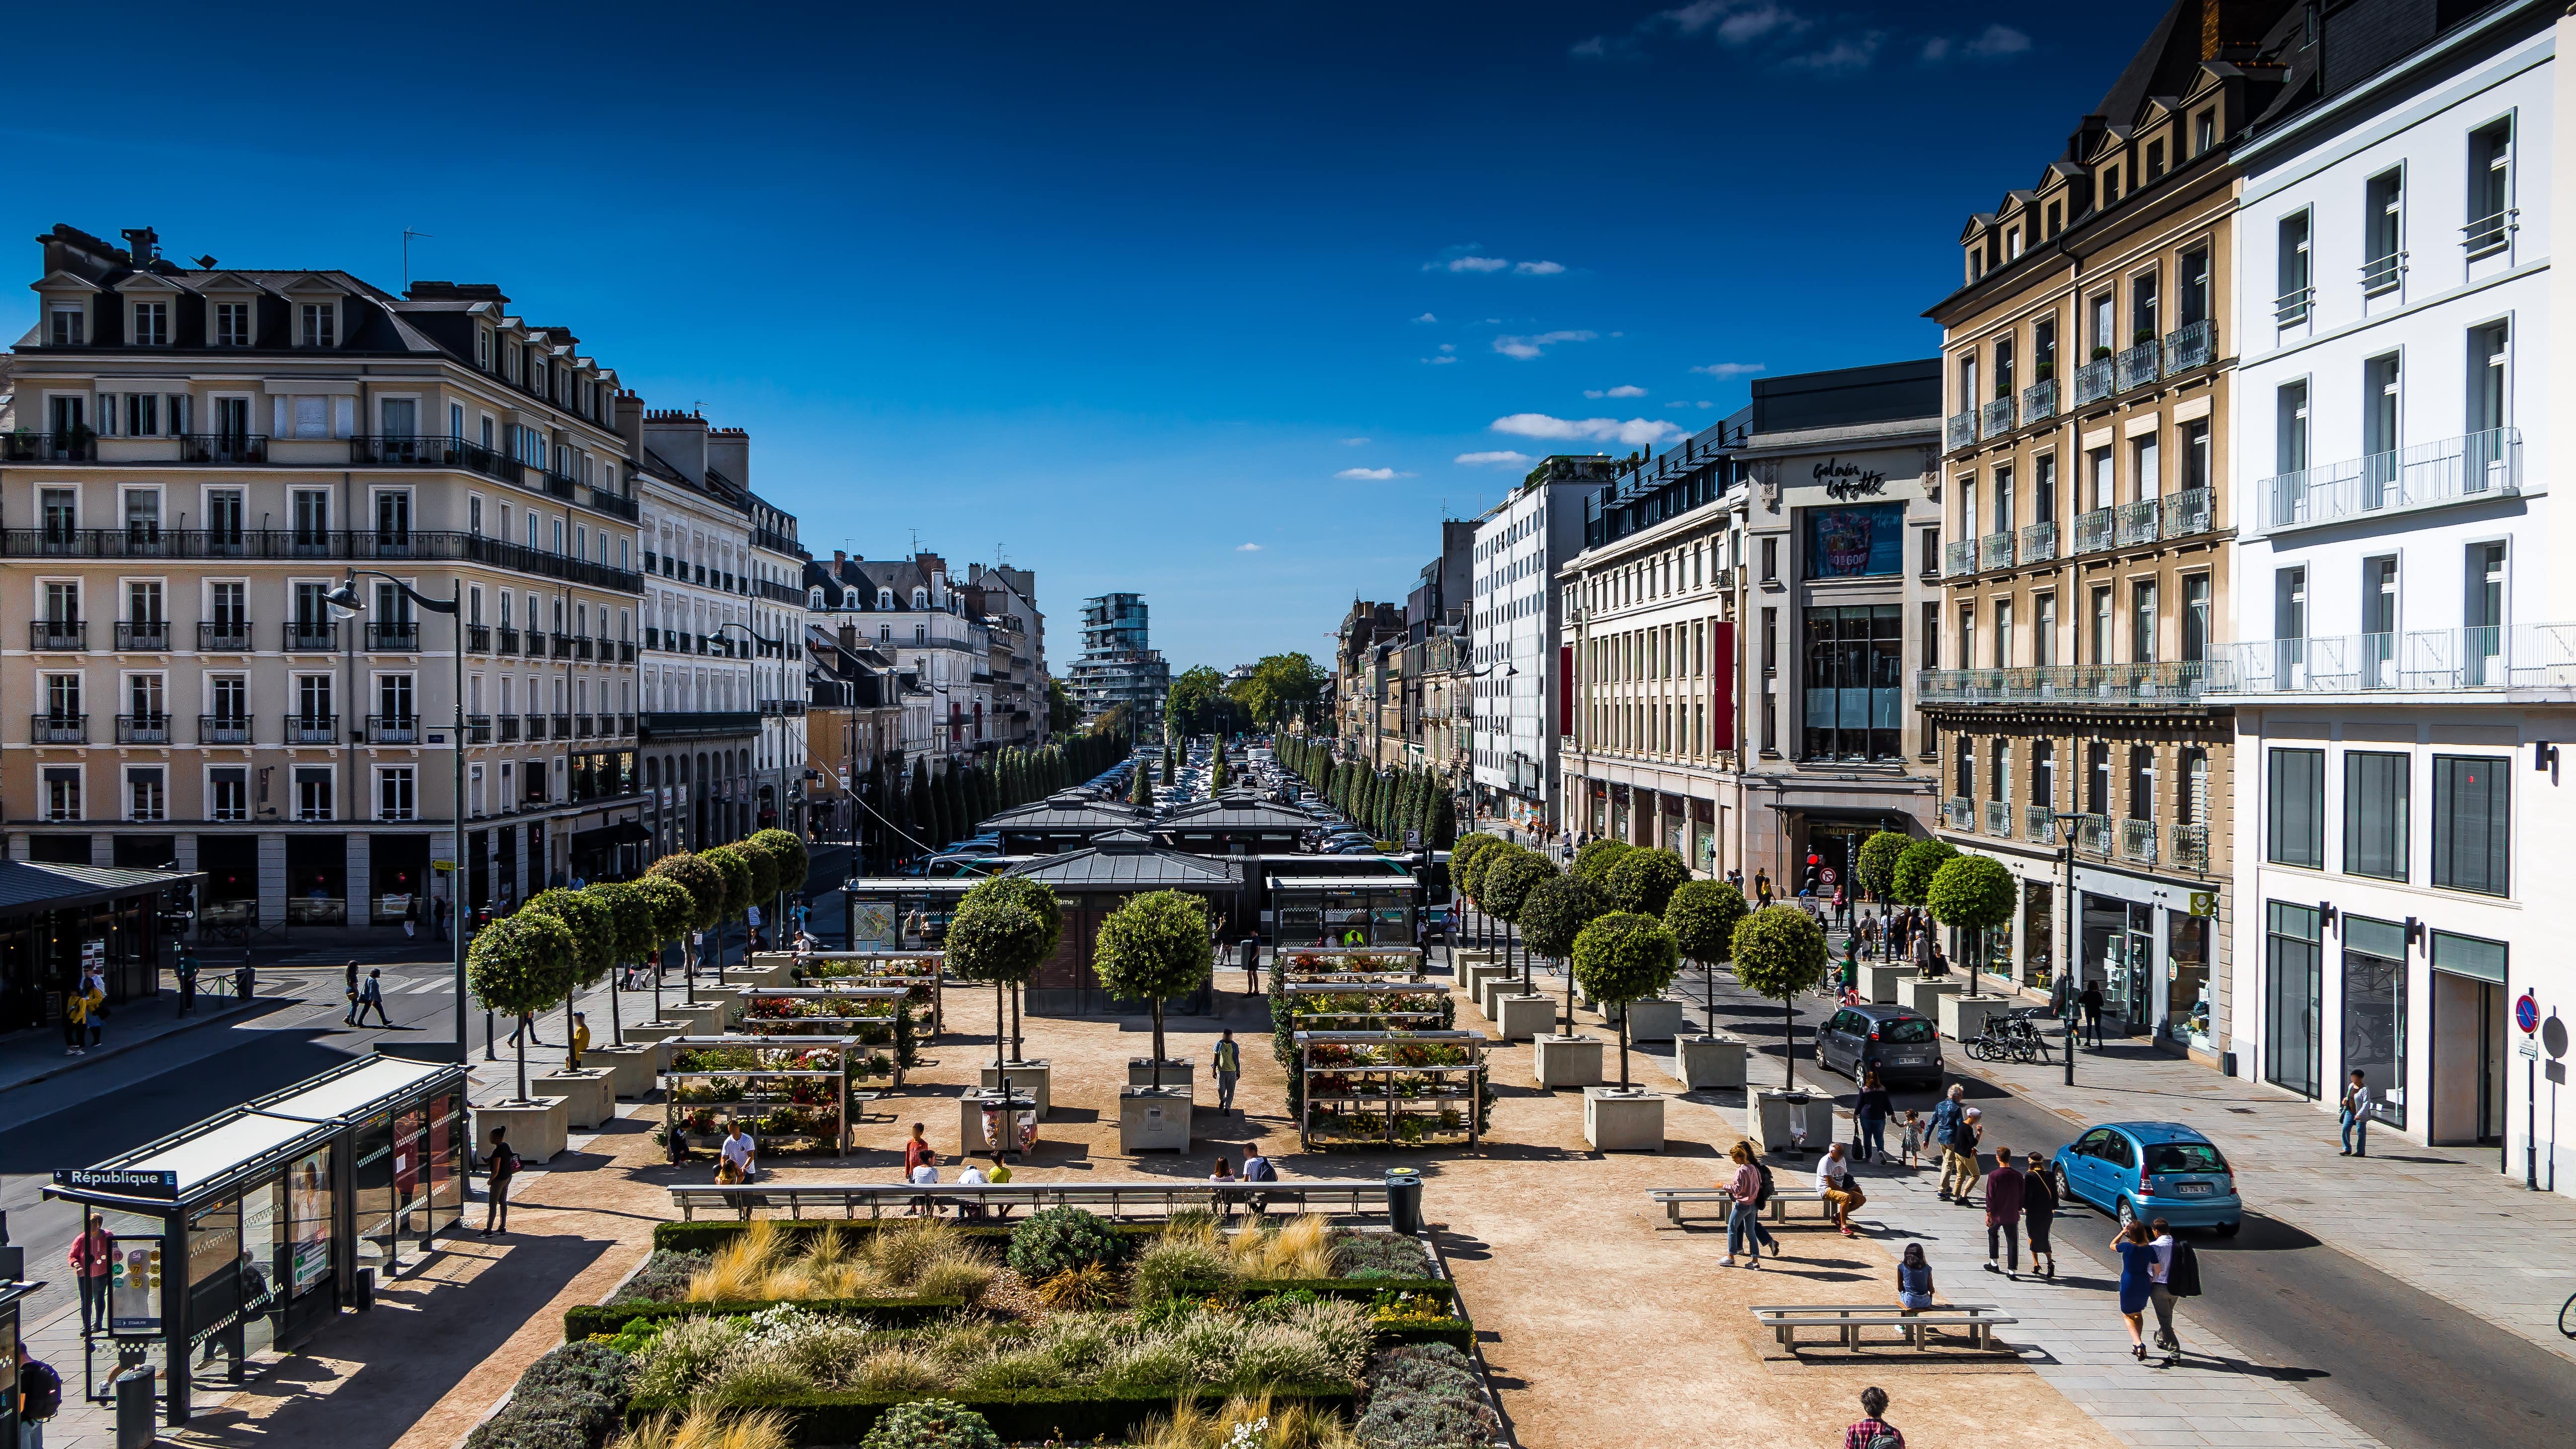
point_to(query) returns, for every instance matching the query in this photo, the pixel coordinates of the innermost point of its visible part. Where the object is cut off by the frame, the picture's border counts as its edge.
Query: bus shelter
(1346, 911)
(899, 913)
(245, 1231)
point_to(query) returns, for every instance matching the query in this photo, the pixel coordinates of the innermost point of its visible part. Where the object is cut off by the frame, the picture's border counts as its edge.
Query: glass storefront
(2119, 951)
(2039, 931)
(2187, 1008)
(1855, 682)
(2374, 1011)
(2293, 970)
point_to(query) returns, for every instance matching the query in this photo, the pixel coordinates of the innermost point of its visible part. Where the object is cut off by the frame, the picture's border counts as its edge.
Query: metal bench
(1673, 1198)
(1846, 1320)
(1149, 1199)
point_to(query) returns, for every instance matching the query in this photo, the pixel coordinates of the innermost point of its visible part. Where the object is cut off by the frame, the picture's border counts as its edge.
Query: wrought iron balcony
(615, 504)
(75, 447)
(393, 637)
(224, 635)
(1999, 820)
(2490, 233)
(1959, 813)
(563, 726)
(1995, 551)
(478, 729)
(393, 729)
(509, 727)
(151, 634)
(2294, 306)
(2191, 848)
(2138, 521)
(509, 641)
(143, 729)
(2039, 825)
(2093, 834)
(2194, 344)
(2187, 513)
(308, 544)
(2137, 365)
(2176, 682)
(223, 448)
(626, 724)
(581, 726)
(1961, 430)
(312, 729)
(1959, 558)
(478, 638)
(2039, 543)
(311, 638)
(2039, 401)
(1995, 419)
(2423, 661)
(2138, 841)
(2382, 274)
(60, 729)
(625, 651)
(2476, 466)
(58, 635)
(2093, 531)
(581, 646)
(2093, 381)
(223, 729)
(562, 645)
(536, 726)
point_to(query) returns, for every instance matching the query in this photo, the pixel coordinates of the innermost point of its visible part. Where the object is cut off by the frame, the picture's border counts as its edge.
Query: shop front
(60, 921)
(2146, 943)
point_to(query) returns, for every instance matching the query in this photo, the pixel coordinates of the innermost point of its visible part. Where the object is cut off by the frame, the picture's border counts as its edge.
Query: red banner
(1721, 669)
(1565, 690)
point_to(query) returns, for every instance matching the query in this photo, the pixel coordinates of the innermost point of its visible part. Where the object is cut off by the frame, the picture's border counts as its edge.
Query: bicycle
(2567, 1316)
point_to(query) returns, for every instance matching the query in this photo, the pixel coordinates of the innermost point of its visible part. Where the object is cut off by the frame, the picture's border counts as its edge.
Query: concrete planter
(704, 1019)
(589, 1095)
(1774, 1111)
(1706, 1061)
(1965, 1016)
(1153, 1121)
(1495, 990)
(1880, 985)
(1616, 1121)
(645, 1033)
(757, 976)
(1524, 1018)
(1475, 977)
(1567, 1061)
(1925, 996)
(1466, 957)
(537, 1127)
(1035, 1077)
(970, 1125)
(629, 1068)
(1177, 1073)
(1656, 1018)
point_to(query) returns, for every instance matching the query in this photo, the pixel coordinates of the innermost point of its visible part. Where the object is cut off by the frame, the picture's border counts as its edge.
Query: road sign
(1413, 840)
(2529, 1047)
(2526, 1013)
(1826, 875)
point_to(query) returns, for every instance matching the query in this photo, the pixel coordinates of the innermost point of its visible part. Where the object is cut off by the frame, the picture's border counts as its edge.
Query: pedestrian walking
(1963, 1164)
(2352, 1114)
(2137, 1258)
(94, 1007)
(2005, 1197)
(1762, 887)
(499, 1167)
(1840, 1191)
(1873, 1431)
(40, 1397)
(527, 1024)
(1743, 1227)
(1945, 1125)
(1251, 949)
(371, 997)
(1913, 1280)
(349, 976)
(187, 971)
(2090, 999)
(2182, 1280)
(2160, 1284)
(1872, 1109)
(75, 1023)
(1229, 1066)
(2038, 1210)
(93, 1258)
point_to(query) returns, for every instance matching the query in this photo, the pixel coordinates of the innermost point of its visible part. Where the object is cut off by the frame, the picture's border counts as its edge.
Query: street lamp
(780, 760)
(2065, 824)
(346, 602)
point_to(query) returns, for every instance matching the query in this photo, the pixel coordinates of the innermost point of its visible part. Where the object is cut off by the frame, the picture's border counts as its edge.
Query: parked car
(1902, 1044)
(2152, 1170)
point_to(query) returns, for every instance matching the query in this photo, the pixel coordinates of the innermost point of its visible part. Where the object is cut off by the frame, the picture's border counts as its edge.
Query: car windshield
(2185, 1157)
(1906, 1030)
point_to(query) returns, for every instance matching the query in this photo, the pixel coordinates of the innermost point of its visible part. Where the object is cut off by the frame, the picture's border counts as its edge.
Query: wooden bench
(1151, 1198)
(1846, 1320)
(1673, 1199)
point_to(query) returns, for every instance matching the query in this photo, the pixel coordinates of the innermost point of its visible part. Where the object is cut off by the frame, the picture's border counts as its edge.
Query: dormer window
(67, 324)
(2053, 214)
(536, 374)
(483, 348)
(885, 599)
(814, 599)
(151, 324)
(921, 598)
(2155, 160)
(849, 598)
(2110, 186)
(2012, 243)
(321, 327)
(232, 324)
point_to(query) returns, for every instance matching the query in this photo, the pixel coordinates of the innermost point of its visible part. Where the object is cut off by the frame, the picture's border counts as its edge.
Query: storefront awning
(603, 837)
(27, 887)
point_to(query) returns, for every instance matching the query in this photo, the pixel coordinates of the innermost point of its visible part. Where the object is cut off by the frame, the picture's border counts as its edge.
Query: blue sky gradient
(1205, 302)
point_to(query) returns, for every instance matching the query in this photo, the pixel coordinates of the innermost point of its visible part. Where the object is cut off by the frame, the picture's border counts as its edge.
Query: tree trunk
(1015, 1023)
(1789, 1038)
(1157, 1067)
(1000, 992)
(1569, 996)
(572, 1055)
(616, 1018)
(527, 1029)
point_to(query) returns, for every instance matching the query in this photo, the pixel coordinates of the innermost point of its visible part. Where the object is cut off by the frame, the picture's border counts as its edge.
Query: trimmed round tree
(520, 965)
(1622, 958)
(741, 889)
(995, 940)
(631, 928)
(706, 887)
(1643, 881)
(594, 941)
(1466, 864)
(1594, 860)
(1510, 874)
(1702, 916)
(1556, 912)
(674, 914)
(794, 863)
(1779, 952)
(1155, 946)
(1040, 901)
(1972, 893)
(1915, 866)
(1877, 864)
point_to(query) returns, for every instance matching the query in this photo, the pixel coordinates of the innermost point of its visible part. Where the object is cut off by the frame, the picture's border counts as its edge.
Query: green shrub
(1176, 1262)
(665, 1276)
(1425, 1396)
(1594, 860)
(569, 1399)
(1915, 867)
(1644, 880)
(1380, 1255)
(1054, 1239)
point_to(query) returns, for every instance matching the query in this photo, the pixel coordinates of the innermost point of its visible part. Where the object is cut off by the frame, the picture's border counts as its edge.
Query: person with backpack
(75, 1023)
(1743, 1221)
(2038, 1210)
(2175, 1274)
(501, 1166)
(1229, 1067)
(1873, 1431)
(40, 1398)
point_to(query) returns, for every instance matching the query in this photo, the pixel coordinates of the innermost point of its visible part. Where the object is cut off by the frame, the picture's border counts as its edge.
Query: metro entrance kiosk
(248, 1230)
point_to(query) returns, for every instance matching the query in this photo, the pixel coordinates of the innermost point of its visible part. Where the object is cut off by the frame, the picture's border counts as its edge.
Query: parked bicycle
(2014, 1037)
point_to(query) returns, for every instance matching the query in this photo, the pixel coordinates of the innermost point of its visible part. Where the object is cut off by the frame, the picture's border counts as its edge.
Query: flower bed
(1389, 1088)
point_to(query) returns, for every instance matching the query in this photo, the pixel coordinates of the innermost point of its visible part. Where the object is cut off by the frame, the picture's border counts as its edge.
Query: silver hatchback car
(1900, 1043)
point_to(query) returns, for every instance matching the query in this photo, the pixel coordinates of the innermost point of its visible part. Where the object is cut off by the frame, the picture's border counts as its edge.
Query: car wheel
(2228, 1230)
(2065, 1189)
(2127, 1214)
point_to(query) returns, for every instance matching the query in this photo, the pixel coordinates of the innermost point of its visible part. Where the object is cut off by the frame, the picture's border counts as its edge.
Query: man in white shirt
(2160, 1295)
(738, 1153)
(970, 1175)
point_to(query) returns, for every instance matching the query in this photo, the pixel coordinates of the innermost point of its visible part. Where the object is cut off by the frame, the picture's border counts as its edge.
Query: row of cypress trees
(936, 809)
(1388, 804)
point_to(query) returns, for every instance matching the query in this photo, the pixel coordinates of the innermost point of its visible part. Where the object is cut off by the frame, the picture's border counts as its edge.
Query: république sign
(1849, 480)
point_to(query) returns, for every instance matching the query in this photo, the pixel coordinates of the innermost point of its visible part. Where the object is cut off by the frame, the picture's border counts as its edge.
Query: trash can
(1778, 1116)
(366, 1289)
(1404, 1200)
(133, 1393)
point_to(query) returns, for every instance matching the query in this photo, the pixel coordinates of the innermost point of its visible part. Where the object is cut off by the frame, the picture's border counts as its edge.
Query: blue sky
(1203, 301)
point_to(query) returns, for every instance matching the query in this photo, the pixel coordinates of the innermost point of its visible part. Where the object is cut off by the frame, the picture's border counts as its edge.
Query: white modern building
(1519, 547)
(2410, 661)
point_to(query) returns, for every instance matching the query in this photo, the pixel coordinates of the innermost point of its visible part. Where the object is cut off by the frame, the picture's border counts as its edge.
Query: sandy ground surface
(1604, 1326)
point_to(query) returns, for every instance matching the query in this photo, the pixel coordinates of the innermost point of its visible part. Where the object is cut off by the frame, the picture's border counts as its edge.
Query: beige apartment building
(2089, 538)
(195, 458)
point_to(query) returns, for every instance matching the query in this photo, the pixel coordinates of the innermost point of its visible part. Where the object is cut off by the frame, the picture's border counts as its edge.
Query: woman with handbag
(1870, 1112)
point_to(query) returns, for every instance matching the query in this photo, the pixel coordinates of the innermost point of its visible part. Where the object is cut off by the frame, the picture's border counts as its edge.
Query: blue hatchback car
(2152, 1170)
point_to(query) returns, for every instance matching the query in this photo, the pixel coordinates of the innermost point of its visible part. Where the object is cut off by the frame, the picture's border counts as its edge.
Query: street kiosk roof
(217, 1153)
(355, 1093)
(27, 887)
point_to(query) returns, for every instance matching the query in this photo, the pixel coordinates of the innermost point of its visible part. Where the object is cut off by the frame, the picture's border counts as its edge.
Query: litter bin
(1404, 1200)
(133, 1393)
(1778, 1117)
(366, 1289)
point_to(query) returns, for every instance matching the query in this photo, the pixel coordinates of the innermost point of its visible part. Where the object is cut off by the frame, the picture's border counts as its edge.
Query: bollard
(133, 1391)
(366, 1290)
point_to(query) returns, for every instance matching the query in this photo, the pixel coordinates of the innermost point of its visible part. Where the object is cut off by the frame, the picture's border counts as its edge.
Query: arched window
(2191, 797)
(814, 600)
(921, 598)
(849, 598)
(885, 599)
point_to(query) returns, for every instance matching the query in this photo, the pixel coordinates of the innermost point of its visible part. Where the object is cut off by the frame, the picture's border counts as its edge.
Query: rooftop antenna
(408, 234)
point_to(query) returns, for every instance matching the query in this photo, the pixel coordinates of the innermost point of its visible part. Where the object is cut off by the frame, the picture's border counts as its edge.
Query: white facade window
(151, 324)
(321, 325)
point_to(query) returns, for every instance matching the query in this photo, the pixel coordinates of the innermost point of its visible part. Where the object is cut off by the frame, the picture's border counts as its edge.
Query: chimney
(850, 637)
(729, 453)
(143, 244)
(838, 558)
(681, 440)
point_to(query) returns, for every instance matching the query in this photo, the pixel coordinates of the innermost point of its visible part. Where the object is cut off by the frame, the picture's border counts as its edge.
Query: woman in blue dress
(2137, 1257)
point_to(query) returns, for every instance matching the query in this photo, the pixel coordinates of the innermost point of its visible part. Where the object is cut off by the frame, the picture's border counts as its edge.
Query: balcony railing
(2292, 307)
(2039, 401)
(152, 634)
(509, 641)
(478, 729)
(581, 647)
(2093, 531)
(2423, 661)
(143, 729)
(226, 635)
(221, 448)
(1959, 813)
(478, 638)
(393, 729)
(613, 503)
(2093, 381)
(2191, 848)
(2191, 345)
(2382, 274)
(509, 728)
(58, 635)
(2082, 685)
(2138, 841)
(2490, 233)
(626, 724)
(2038, 542)
(625, 651)
(313, 729)
(1995, 551)
(1958, 557)
(60, 729)
(669, 724)
(2187, 513)
(229, 543)
(581, 726)
(536, 726)
(310, 638)
(393, 637)
(2479, 465)
(1961, 430)
(223, 729)
(562, 726)
(1999, 819)
(1995, 419)
(2137, 365)
(2137, 521)
(562, 645)
(77, 447)
(2039, 825)
(2093, 834)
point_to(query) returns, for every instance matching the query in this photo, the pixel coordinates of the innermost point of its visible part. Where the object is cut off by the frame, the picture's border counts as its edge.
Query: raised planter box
(1882, 984)
(1153, 1121)
(970, 1130)
(1616, 1121)
(1176, 1073)
(1774, 1110)
(645, 1033)
(1494, 990)
(1706, 1061)
(1964, 1016)
(1656, 1018)
(1036, 1076)
(1524, 1018)
(1474, 977)
(1466, 956)
(589, 1095)
(629, 1068)
(758, 974)
(537, 1127)
(1567, 1061)
(1925, 995)
(707, 1018)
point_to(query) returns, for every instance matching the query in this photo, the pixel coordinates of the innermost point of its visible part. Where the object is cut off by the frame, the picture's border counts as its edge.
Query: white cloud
(1845, 56)
(1370, 475)
(1247, 548)
(1469, 259)
(1448, 346)
(1626, 389)
(1468, 264)
(1503, 459)
(1729, 369)
(1998, 40)
(1634, 432)
(1536, 344)
(1678, 404)
(1444, 357)
(1736, 22)
(1426, 317)
(1354, 442)
(1538, 269)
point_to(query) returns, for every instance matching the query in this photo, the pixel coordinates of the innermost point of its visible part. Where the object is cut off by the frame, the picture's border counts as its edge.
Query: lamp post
(345, 599)
(780, 759)
(2065, 824)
